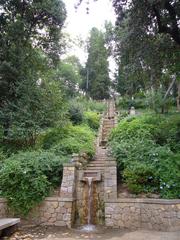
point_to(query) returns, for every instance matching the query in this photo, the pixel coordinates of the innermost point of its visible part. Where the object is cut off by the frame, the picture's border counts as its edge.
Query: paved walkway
(56, 233)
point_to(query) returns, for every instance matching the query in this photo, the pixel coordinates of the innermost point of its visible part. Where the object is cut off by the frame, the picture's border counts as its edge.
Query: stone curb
(143, 200)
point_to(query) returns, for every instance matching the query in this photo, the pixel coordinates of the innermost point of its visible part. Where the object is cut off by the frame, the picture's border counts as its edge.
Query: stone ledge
(59, 199)
(144, 200)
(73, 164)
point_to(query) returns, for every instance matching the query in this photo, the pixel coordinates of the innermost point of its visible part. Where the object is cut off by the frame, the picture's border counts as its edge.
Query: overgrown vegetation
(27, 178)
(46, 113)
(147, 150)
(71, 139)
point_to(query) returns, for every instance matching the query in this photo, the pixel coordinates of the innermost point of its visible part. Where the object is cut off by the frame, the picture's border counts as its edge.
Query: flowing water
(89, 227)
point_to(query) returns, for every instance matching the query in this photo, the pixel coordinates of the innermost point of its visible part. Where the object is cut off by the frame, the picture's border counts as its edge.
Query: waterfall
(90, 197)
(89, 227)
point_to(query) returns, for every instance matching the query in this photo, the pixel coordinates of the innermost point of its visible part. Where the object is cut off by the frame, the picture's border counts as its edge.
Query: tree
(68, 73)
(158, 16)
(146, 60)
(30, 34)
(98, 82)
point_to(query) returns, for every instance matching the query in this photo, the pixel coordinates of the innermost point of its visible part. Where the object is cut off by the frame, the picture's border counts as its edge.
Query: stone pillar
(3, 208)
(110, 180)
(68, 182)
(68, 193)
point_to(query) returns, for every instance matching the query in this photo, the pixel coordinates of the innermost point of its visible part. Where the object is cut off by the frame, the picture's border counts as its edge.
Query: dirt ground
(56, 233)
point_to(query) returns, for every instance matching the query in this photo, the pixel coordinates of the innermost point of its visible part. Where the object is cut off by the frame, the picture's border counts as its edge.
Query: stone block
(47, 215)
(60, 223)
(109, 210)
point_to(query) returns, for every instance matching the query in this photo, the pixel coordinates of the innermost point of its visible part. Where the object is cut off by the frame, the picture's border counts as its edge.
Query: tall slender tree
(97, 81)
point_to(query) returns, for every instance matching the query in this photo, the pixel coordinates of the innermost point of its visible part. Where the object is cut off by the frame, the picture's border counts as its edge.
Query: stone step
(96, 165)
(95, 168)
(108, 124)
(107, 128)
(98, 161)
(100, 157)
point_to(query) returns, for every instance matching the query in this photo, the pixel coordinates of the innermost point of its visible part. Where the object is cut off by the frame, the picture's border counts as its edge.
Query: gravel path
(55, 233)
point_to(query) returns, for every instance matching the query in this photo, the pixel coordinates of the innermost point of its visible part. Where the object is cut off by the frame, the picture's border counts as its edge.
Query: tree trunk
(178, 97)
(167, 93)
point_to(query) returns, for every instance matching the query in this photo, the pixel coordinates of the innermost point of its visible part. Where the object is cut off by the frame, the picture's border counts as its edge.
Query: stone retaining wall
(110, 180)
(150, 214)
(3, 208)
(54, 211)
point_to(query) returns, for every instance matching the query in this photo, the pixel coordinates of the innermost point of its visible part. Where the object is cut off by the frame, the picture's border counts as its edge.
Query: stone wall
(3, 208)
(54, 211)
(82, 200)
(67, 189)
(150, 214)
(110, 180)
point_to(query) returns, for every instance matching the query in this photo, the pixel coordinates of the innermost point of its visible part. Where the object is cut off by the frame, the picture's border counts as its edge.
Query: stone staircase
(102, 172)
(101, 156)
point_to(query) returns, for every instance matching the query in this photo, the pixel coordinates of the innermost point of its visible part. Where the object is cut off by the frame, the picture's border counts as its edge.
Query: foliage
(92, 119)
(76, 112)
(27, 117)
(126, 102)
(141, 177)
(169, 172)
(147, 59)
(145, 147)
(149, 15)
(91, 105)
(27, 55)
(98, 82)
(68, 72)
(70, 139)
(26, 178)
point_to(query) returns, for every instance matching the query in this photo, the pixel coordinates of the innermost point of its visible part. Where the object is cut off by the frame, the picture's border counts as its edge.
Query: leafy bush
(90, 105)
(146, 147)
(92, 119)
(75, 139)
(26, 178)
(169, 172)
(139, 102)
(141, 177)
(76, 113)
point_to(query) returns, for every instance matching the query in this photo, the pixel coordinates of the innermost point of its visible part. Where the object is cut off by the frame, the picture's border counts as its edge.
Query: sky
(79, 23)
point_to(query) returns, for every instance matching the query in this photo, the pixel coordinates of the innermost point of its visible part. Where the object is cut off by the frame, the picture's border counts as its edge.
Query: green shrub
(169, 172)
(92, 119)
(26, 178)
(139, 102)
(166, 129)
(131, 127)
(141, 177)
(75, 139)
(90, 105)
(149, 142)
(76, 112)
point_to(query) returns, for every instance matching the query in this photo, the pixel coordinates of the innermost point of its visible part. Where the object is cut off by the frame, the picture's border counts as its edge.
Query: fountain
(89, 227)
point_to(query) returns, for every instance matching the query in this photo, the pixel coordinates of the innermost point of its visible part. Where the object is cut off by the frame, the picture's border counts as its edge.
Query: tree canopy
(30, 43)
(97, 81)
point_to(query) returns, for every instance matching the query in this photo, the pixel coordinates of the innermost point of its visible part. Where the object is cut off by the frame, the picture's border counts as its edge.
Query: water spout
(89, 179)
(89, 227)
